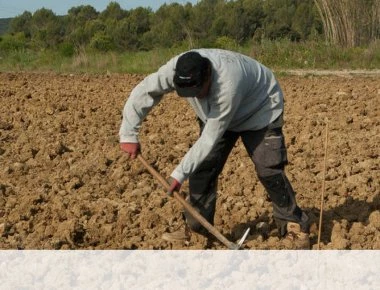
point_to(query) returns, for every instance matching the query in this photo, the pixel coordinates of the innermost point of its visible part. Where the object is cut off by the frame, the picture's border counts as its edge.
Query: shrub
(102, 42)
(225, 42)
(13, 42)
(67, 49)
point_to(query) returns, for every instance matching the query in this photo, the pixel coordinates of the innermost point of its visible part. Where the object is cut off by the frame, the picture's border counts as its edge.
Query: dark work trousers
(266, 147)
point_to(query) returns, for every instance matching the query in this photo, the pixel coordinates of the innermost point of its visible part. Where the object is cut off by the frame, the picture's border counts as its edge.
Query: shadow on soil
(352, 210)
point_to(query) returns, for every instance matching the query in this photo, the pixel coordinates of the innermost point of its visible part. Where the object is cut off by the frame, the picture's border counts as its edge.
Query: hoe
(230, 245)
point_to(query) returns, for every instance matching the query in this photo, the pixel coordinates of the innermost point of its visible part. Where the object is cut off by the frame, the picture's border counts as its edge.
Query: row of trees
(208, 23)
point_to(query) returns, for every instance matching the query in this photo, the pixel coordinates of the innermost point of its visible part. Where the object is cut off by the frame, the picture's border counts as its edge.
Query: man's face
(205, 89)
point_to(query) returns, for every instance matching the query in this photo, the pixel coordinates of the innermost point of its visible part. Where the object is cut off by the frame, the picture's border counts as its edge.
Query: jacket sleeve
(222, 109)
(143, 98)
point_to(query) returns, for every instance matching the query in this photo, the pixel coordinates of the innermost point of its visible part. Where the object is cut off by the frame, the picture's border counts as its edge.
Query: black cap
(190, 73)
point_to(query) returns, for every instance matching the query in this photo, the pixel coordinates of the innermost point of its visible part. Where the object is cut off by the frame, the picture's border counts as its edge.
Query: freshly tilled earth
(65, 184)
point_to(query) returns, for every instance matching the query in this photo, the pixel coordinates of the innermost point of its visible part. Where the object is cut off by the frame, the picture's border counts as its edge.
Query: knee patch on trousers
(275, 151)
(270, 157)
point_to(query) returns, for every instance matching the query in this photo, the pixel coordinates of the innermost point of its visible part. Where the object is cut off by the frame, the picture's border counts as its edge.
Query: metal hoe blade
(241, 241)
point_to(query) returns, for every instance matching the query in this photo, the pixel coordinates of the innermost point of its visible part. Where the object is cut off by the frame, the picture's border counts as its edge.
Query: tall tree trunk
(350, 23)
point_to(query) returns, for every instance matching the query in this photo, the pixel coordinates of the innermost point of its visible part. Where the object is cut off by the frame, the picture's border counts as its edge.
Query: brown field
(64, 184)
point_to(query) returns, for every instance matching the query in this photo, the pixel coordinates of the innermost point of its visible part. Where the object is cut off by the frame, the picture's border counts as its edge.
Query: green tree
(79, 37)
(82, 14)
(278, 19)
(92, 27)
(102, 42)
(47, 29)
(81, 23)
(12, 42)
(114, 12)
(208, 23)
(130, 30)
(244, 18)
(202, 17)
(169, 25)
(22, 23)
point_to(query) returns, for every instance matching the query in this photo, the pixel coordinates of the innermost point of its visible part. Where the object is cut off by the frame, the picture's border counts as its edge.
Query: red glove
(131, 148)
(175, 185)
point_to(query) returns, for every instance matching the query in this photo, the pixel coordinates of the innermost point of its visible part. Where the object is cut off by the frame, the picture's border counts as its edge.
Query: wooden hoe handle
(188, 207)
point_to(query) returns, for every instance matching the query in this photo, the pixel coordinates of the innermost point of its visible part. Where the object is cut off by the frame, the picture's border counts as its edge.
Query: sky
(12, 8)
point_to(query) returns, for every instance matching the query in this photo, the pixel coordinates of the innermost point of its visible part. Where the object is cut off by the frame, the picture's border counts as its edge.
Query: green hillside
(4, 25)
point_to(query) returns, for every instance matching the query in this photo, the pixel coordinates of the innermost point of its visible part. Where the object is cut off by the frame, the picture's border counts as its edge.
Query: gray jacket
(244, 95)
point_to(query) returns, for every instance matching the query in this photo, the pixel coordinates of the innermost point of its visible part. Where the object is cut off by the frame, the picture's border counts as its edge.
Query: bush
(67, 49)
(13, 42)
(102, 42)
(225, 42)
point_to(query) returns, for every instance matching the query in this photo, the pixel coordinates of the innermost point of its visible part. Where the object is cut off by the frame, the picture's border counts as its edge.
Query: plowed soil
(64, 183)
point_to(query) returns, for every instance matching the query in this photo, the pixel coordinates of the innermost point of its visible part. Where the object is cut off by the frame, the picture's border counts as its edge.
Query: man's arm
(143, 98)
(222, 109)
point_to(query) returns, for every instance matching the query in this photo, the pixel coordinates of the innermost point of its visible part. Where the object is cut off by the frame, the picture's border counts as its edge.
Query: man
(233, 96)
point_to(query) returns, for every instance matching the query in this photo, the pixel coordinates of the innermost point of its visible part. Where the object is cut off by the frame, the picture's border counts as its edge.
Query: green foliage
(128, 32)
(13, 42)
(102, 42)
(225, 42)
(208, 23)
(285, 54)
(81, 14)
(81, 24)
(47, 29)
(292, 19)
(22, 24)
(113, 11)
(5, 25)
(242, 19)
(278, 55)
(372, 54)
(201, 18)
(66, 49)
(169, 25)
(79, 37)
(303, 19)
